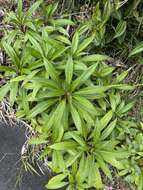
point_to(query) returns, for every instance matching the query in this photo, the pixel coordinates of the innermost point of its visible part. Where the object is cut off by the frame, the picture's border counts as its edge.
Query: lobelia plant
(70, 97)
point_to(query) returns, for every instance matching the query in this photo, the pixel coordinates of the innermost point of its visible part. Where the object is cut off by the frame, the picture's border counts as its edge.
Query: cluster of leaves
(133, 166)
(72, 98)
(117, 25)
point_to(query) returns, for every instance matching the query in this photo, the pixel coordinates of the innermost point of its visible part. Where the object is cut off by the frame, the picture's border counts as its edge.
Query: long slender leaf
(13, 92)
(40, 107)
(75, 41)
(64, 145)
(95, 58)
(56, 182)
(85, 75)
(33, 8)
(69, 70)
(76, 118)
(136, 50)
(12, 54)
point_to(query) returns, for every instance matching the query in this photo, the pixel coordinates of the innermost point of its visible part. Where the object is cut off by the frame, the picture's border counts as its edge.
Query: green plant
(70, 96)
(133, 166)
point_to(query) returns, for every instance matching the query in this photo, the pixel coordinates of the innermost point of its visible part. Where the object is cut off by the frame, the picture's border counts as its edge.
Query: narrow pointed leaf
(40, 107)
(51, 70)
(97, 175)
(37, 141)
(13, 92)
(12, 54)
(75, 41)
(122, 76)
(4, 90)
(120, 29)
(95, 58)
(109, 129)
(105, 120)
(93, 90)
(64, 145)
(56, 182)
(81, 79)
(33, 8)
(137, 49)
(69, 70)
(76, 118)
(76, 137)
(84, 44)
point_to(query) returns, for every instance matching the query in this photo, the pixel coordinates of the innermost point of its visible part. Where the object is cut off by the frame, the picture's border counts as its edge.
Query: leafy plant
(71, 97)
(133, 165)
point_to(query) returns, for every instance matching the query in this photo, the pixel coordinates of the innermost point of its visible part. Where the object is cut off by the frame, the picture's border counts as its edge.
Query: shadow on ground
(12, 177)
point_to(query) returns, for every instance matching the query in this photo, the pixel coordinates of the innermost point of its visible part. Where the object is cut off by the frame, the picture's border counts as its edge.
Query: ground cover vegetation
(73, 71)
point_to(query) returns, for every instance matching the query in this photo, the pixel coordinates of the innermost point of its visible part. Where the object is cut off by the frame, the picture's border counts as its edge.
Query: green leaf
(64, 145)
(87, 114)
(127, 107)
(4, 90)
(58, 162)
(60, 112)
(140, 183)
(80, 175)
(50, 9)
(102, 104)
(72, 159)
(137, 49)
(108, 130)
(91, 164)
(40, 107)
(94, 58)
(12, 54)
(13, 92)
(56, 115)
(56, 182)
(122, 76)
(59, 51)
(76, 137)
(58, 129)
(45, 82)
(110, 158)
(93, 90)
(97, 177)
(85, 103)
(103, 166)
(120, 29)
(7, 68)
(50, 93)
(69, 70)
(105, 120)
(75, 41)
(96, 16)
(19, 78)
(106, 71)
(63, 39)
(83, 77)
(84, 44)
(51, 70)
(35, 43)
(107, 11)
(76, 118)
(19, 8)
(12, 35)
(37, 141)
(113, 102)
(123, 87)
(33, 8)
